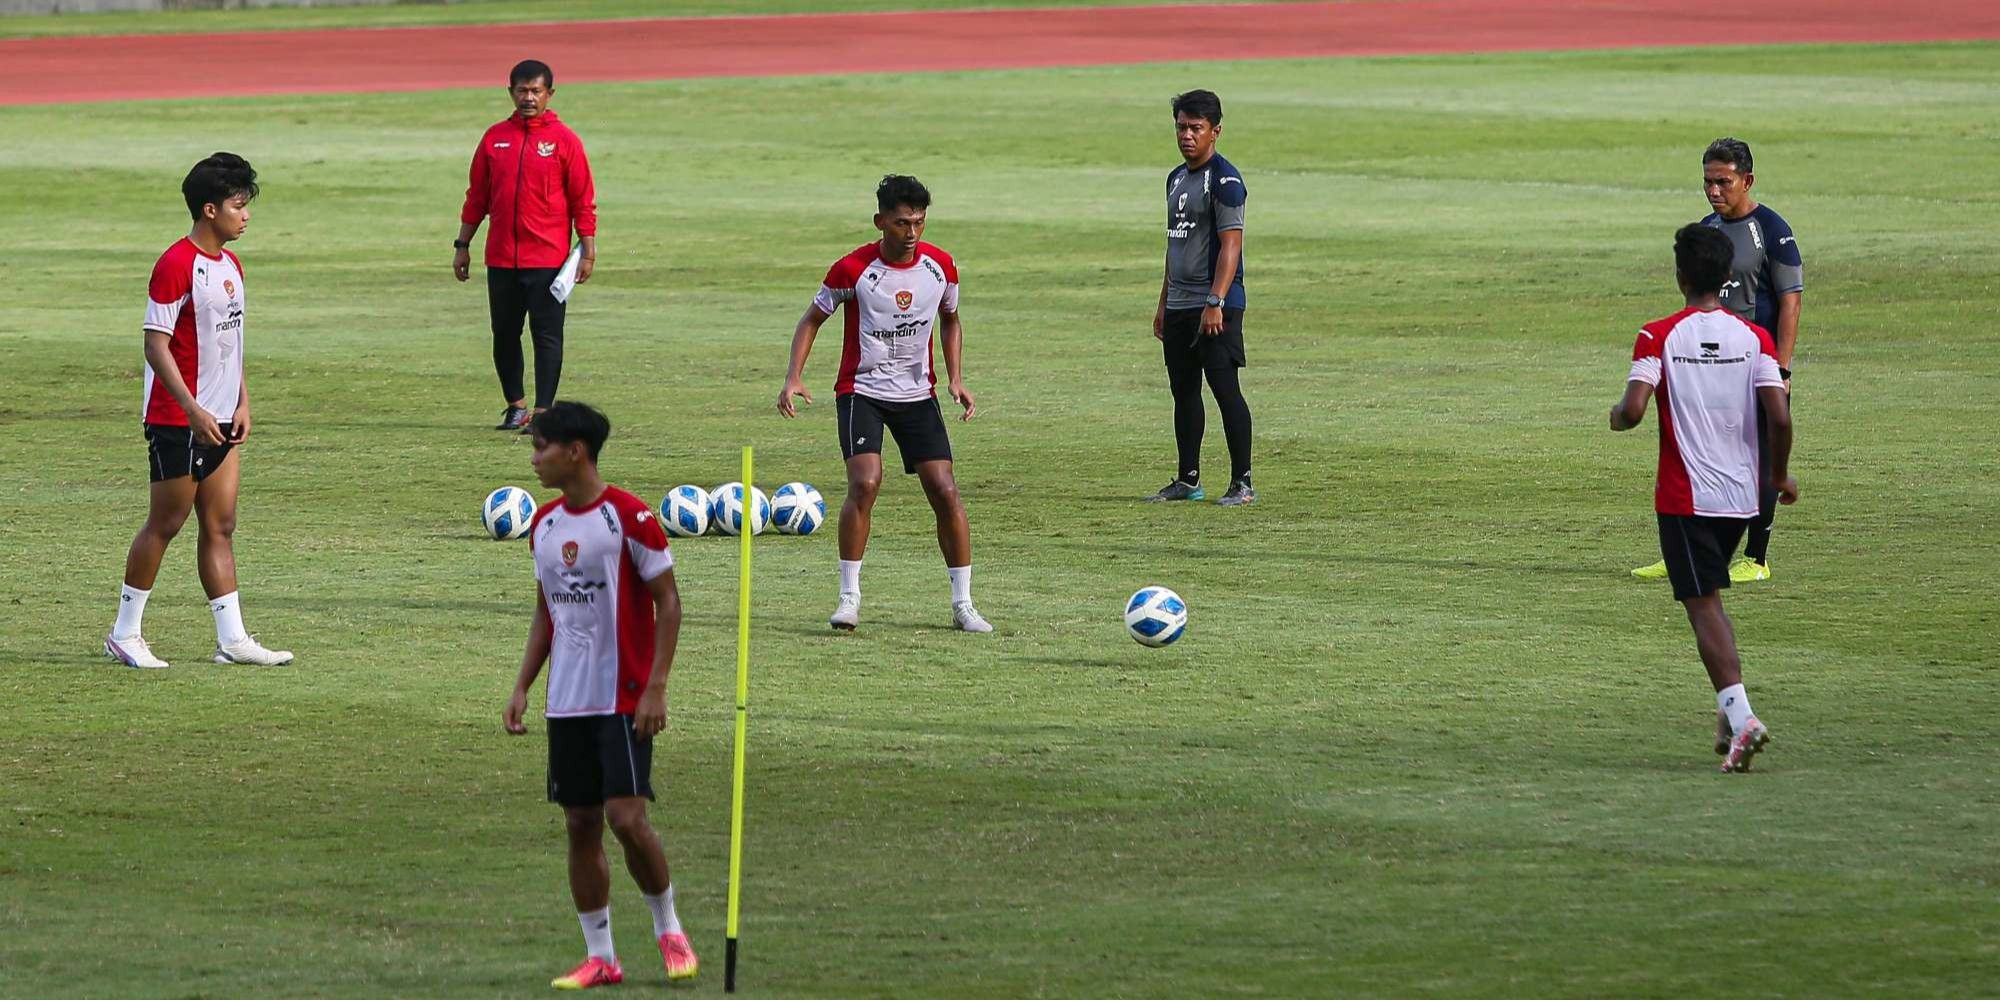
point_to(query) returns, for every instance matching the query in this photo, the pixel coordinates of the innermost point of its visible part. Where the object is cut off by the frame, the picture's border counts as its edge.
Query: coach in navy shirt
(1766, 285)
(1199, 321)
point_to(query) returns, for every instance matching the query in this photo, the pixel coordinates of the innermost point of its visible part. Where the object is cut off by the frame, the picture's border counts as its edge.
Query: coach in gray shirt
(1199, 321)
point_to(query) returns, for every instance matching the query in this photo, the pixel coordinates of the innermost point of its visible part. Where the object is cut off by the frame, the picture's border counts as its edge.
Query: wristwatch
(461, 244)
(1214, 302)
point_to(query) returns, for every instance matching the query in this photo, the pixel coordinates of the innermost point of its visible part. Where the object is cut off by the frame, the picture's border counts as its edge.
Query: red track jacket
(531, 176)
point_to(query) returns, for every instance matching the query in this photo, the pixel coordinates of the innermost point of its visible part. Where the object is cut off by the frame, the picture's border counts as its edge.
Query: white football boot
(249, 652)
(966, 618)
(133, 652)
(847, 614)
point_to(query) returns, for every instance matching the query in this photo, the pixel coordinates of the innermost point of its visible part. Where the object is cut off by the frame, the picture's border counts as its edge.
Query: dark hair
(901, 189)
(1728, 149)
(1703, 254)
(569, 421)
(217, 179)
(528, 69)
(1199, 104)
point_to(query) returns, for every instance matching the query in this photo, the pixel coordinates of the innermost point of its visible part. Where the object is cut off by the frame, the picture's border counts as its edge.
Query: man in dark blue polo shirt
(1199, 321)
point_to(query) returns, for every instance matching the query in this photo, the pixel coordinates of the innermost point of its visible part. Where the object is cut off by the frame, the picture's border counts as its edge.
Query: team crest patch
(903, 299)
(569, 553)
(229, 288)
(545, 148)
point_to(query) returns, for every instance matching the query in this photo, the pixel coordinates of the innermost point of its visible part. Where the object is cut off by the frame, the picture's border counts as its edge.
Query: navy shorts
(593, 758)
(1697, 550)
(173, 452)
(918, 426)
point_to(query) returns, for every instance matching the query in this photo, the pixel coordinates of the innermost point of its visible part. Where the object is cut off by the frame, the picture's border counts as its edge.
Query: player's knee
(628, 825)
(943, 493)
(165, 526)
(584, 824)
(864, 489)
(219, 525)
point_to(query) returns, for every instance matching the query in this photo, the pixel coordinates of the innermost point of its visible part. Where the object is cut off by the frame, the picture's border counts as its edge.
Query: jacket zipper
(520, 167)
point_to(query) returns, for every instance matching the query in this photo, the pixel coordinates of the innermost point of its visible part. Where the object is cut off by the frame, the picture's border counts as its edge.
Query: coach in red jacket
(530, 175)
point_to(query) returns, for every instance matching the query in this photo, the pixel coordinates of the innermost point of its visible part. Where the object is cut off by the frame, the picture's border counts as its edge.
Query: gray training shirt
(1202, 204)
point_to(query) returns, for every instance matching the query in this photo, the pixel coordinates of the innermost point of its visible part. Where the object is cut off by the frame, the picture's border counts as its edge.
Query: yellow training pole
(742, 720)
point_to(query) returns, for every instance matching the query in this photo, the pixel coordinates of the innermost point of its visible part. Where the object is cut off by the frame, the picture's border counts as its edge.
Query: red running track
(103, 68)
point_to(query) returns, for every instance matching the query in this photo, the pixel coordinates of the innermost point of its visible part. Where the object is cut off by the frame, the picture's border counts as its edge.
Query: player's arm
(239, 423)
(168, 373)
(1786, 336)
(651, 716)
(954, 346)
(1631, 409)
(581, 193)
(540, 630)
(1160, 311)
(1225, 275)
(1778, 435)
(474, 211)
(802, 345)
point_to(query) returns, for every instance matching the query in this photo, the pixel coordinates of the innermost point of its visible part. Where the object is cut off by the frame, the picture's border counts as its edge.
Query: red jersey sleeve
(838, 285)
(579, 189)
(167, 290)
(944, 261)
(478, 192)
(645, 539)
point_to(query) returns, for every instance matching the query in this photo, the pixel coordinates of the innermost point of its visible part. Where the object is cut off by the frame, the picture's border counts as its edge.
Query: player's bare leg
(1715, 637)
(864, 484)
(215, 557)
(954, 541)
(168, 506)
(647, 862)
(215, 538)
(590, 890)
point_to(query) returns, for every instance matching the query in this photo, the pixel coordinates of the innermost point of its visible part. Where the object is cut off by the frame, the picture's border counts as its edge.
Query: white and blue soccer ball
(684, 511)
(507, 513)
(1156, 616)
(798, 509)
(725, 509)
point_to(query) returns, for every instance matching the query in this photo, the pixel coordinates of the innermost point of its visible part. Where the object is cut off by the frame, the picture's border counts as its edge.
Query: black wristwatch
(461, 244)
(1214, 302)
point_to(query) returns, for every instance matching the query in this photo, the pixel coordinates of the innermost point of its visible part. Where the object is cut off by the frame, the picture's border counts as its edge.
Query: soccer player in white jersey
(607, 617)
(1713, 374)
(899, 292)
(196, 411)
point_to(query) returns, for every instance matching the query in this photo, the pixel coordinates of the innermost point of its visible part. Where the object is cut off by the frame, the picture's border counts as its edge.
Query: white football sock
(131, 608)
(665, 920)
(228, 620)
(961, 583)
(597, 933)
(1735, 704)
(850, 577)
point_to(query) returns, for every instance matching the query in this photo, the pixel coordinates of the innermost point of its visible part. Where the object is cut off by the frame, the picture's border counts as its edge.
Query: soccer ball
(684, 511)
(507, 513)
(1156, 616)
(797, 509)
(725, 509)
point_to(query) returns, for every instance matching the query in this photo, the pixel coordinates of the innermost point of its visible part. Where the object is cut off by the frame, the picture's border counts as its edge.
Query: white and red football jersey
(892, 311)
(197, 300)
(593, 564)
(1705, 366)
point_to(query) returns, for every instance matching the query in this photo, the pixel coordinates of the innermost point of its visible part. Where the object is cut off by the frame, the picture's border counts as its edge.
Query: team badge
(903, 299)
(545, 148)
(1183, 203)
(569, 553)
(229, 288)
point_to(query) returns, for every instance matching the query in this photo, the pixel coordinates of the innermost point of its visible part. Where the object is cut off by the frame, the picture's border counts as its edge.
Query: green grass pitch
(1424, 738)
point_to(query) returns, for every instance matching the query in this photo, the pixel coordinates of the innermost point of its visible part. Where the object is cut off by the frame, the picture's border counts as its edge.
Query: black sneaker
(1177, 490)
(1239, 494)
(513, 418)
